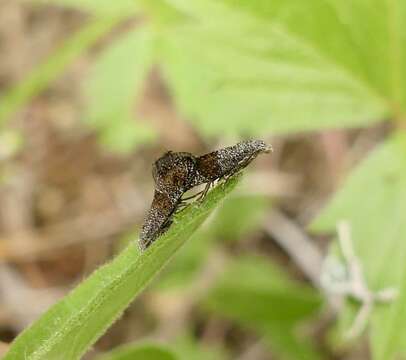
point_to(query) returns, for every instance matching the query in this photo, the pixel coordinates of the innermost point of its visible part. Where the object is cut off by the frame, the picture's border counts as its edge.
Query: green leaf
(187, 348)
(234, 219)
(11, 142)
(71, 326)
(123, 135)
(271, 67)
(44, 74)
(255, 293)
(101, 7)
(163, 14)
(373, 201)
(114, 87)
(366, 39)
(273, 78)
(140, 351)
(238, 216)
(182, 271)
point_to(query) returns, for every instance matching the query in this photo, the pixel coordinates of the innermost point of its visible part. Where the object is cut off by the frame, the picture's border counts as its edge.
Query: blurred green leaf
(365, 39)
(11, 142)
(140, 351)
(118, 76)
(123, 135)
(162, 13)
(187, 348)
(72, 325)
(278, 69)
(53, 66)
(114, 87)
(184, 348)
(187, 263)
(255, 293)
(373, 201)
(256, 78)
(101, 7)
(238, 216)
(204, 10)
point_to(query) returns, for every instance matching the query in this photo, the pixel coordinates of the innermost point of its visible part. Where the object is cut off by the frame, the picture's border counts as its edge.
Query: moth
(177, 172)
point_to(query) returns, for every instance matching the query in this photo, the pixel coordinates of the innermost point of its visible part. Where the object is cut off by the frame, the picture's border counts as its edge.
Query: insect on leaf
(72, 325)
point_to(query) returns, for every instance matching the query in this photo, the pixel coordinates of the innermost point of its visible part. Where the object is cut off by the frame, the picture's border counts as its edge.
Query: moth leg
(205, 191)
(192, 196)
(182, 206)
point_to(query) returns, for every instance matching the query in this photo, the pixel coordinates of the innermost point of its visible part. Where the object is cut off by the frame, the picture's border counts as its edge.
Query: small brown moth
(177, 172)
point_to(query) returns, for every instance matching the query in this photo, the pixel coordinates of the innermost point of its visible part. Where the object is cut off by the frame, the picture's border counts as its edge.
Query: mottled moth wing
(228, 161)
(172, 173)
(158, 219)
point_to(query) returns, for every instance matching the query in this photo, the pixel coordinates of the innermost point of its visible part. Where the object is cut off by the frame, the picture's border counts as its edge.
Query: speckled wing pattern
(177, 172)
(158, 218)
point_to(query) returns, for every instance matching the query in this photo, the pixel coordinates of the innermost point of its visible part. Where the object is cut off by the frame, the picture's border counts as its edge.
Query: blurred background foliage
(93, 91)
